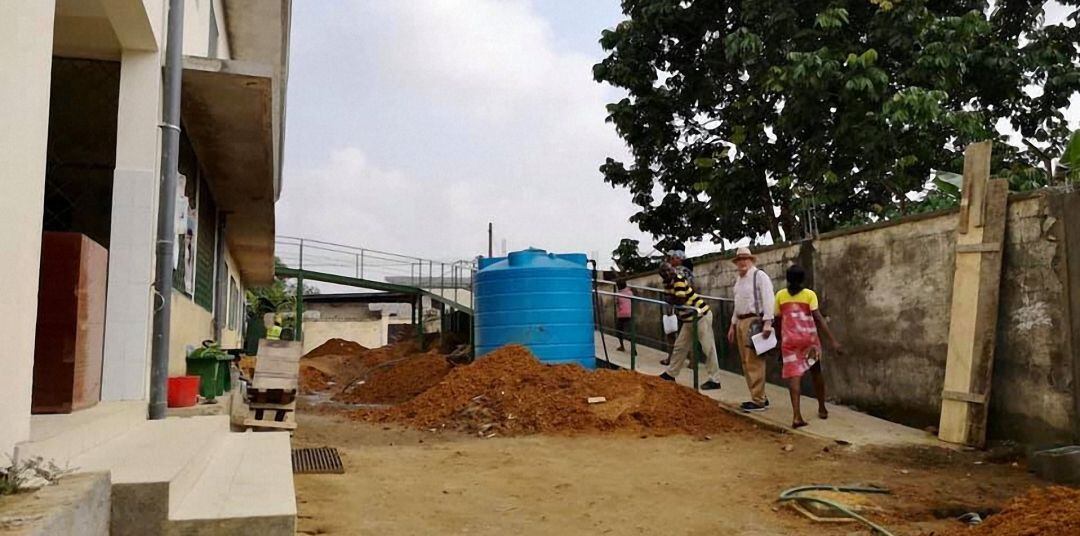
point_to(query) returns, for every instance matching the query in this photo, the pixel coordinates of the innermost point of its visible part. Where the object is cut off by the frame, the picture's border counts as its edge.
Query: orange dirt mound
(509, 392)
(338, 366)
(313, 380)
(397, 380)
(1039, 512)
(336, 347)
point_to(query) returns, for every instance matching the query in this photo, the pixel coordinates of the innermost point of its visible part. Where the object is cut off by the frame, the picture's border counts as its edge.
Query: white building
(80, 151)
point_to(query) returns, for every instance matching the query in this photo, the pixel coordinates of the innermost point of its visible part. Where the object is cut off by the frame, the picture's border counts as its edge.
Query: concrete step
(153, 467)
(247, 488)
(77, 504)
(63, 437)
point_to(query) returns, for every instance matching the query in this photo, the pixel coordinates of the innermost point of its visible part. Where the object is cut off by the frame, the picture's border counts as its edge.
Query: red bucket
(183, 391)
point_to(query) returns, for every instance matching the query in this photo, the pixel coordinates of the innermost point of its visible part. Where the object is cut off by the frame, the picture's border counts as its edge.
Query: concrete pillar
(26, 37)
(129, 310)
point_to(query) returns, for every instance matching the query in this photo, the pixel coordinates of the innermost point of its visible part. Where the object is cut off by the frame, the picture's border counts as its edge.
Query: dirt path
(410, 482)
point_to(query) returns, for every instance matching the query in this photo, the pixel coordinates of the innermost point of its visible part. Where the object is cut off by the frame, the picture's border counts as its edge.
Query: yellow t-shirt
(806, 298)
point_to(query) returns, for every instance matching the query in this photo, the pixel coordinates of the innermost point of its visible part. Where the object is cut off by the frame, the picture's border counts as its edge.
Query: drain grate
(316, 461)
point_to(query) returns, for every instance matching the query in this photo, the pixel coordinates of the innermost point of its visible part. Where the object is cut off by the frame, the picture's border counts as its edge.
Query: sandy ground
(401, 481)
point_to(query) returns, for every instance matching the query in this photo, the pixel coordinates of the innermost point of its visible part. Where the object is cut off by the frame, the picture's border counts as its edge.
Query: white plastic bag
(671, 324)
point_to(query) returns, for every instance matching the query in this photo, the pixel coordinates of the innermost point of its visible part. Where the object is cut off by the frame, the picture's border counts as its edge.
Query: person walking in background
(623, 310)
(799, 318)
(685, 268)
(753, 312)
(682, 265)
(693, 311)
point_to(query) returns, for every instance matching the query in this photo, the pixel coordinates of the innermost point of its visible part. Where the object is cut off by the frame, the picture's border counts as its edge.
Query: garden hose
(793, 495)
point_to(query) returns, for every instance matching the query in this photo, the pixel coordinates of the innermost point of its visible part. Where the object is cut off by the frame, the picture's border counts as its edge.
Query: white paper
(761, 344)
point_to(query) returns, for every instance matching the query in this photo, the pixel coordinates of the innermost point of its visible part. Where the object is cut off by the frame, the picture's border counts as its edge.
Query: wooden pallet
(276, 416)
(256, 425)
(272, 395)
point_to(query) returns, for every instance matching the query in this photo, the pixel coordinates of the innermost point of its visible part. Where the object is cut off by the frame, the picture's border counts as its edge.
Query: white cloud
(447, 114)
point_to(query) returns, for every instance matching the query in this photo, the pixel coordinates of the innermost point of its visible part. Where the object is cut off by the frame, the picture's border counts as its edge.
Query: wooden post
(965, 398)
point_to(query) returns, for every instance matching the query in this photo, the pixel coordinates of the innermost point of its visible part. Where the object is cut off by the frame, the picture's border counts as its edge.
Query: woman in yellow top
(800, 347)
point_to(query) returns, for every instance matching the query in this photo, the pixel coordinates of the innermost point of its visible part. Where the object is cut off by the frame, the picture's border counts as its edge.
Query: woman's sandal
(798, 424)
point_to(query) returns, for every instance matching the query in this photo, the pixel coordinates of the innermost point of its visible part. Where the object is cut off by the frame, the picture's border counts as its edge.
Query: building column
(26, 43)
(129, 309)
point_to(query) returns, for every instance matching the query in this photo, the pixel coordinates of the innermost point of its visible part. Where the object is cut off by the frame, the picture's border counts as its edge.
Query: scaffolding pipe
(166, 233)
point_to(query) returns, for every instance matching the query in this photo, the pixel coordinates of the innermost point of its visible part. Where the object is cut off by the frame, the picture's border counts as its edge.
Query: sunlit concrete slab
(844, 424)
(246, 489)
(62, 437)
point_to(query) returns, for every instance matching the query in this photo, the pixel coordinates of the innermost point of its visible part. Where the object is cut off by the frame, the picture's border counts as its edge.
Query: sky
(412, 124)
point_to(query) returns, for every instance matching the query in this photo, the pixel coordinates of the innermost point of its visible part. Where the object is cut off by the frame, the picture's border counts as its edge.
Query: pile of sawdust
(1039, 512)
(313, 380)
(351, 373)
(509, 392)
(336, 347)
(398, 380)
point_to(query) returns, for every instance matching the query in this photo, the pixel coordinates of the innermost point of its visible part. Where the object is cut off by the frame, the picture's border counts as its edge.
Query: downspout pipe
(166, 216)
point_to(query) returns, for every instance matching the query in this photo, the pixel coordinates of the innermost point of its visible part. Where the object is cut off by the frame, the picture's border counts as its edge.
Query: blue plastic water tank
(537, 299)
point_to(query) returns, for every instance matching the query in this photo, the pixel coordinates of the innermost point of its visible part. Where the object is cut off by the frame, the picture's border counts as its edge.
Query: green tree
(741, 115)
(277, 297)
(629, 260)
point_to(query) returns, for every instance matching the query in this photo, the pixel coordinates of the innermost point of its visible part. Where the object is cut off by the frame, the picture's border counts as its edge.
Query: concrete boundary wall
(886, 289)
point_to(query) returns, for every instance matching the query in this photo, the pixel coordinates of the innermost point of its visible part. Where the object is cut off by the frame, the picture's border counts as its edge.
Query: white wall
(26, 39)
(197, 28)
(129, 309)
(368, 333)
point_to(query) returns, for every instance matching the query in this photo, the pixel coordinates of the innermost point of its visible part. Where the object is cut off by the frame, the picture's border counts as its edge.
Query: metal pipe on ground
(166, 234)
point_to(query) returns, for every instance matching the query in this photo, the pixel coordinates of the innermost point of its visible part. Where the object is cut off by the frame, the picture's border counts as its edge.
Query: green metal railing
(445, 283)
(722, 311)
(632, 335)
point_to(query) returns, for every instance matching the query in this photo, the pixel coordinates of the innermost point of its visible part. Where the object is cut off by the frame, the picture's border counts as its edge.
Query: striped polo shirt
(685, 295)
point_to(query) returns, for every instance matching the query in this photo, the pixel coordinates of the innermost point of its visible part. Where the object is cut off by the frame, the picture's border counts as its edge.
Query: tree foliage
(628, 259)
(735, 107)
(277, 297)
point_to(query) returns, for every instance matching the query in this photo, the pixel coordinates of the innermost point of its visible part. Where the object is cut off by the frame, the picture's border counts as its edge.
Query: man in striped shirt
(692, 310)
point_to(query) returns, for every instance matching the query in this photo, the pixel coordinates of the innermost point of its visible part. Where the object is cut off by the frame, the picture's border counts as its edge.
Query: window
(186, 219)
(234, 303)
(205, 248)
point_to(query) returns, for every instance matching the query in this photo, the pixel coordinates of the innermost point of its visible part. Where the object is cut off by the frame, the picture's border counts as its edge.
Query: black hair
(689, 264)
(620, 284)
(796, 279)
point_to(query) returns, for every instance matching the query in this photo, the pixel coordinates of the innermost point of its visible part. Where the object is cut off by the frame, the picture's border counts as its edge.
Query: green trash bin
(210, 363)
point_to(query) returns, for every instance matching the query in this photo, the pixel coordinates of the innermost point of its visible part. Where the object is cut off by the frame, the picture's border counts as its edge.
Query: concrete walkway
(844, 424)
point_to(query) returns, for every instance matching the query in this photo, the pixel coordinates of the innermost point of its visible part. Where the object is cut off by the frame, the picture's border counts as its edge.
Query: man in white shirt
(754, 299)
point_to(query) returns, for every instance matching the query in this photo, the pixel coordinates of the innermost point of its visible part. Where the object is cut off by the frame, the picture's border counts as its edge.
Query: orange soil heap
(510, 392)
(398, 381)
(354, 374)
(336, 347)
(313, 380)
(1040, 511)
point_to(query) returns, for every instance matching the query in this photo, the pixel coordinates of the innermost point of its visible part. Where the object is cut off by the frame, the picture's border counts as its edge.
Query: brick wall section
(886, 290)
